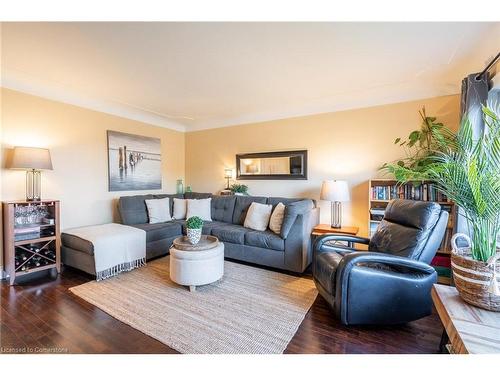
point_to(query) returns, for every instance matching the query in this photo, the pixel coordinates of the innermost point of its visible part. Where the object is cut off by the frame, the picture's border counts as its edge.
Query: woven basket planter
(474, 279)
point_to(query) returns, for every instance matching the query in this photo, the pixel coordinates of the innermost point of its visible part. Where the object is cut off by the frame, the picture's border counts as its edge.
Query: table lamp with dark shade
(33, 160)
(336, 191)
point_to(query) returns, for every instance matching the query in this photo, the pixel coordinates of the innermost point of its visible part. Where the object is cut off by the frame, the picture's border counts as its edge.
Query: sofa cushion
(158, 210)
(193, 195)
(207, 226)
(257, 217)
(291, 211)
(325, 268)
(160, 231)
(276, 220)
(267, 240)
(171, 196)
(179, 209)
(223, 208)
(230, 233)
(77, 243)
(275, 200)
(241, 207)
(133, 209)
(200, 208)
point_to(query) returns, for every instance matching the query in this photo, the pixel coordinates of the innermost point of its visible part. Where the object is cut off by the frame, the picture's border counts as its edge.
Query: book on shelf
(424, 192)
(441, 260)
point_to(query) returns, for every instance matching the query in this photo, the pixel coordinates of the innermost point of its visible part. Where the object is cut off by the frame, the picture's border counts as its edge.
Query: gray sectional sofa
(291, 250)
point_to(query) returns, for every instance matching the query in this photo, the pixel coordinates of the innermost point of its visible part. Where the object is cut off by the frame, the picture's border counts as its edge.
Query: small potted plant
(239, 189)
(194, 225)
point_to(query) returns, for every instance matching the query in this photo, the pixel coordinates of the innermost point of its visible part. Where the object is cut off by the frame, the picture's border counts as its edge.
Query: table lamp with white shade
(336, 191)
(33, 160)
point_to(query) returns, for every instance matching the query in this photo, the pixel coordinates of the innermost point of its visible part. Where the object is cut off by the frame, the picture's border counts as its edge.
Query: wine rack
(31, 237)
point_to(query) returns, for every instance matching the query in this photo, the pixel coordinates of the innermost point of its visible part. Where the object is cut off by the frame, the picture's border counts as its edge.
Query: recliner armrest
(319, 243)
(354, 258)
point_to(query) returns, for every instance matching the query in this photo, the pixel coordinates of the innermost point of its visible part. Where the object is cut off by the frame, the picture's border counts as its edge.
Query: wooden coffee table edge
(447, 321)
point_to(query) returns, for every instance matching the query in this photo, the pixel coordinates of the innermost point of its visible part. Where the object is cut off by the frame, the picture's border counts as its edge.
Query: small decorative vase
(193, 235)
(180, 187)
(477, 282)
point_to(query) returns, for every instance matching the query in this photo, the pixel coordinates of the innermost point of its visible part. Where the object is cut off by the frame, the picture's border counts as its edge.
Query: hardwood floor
(41, 315)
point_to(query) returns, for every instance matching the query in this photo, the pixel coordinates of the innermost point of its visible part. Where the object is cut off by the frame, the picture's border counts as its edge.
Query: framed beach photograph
(134, 162)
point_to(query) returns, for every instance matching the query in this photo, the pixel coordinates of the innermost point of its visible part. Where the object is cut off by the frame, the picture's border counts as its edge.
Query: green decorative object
(193, 229)
(431, 139)
(467, 171)
(180, 186)
(194, 222)
(188, 189)
(239, 189)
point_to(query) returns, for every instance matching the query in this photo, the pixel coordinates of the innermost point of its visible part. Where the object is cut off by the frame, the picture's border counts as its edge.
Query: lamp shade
(335, 191)
(31, 158)
(228, 173)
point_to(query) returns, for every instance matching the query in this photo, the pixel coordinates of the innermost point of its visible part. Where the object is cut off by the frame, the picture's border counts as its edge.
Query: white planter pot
(193, 236)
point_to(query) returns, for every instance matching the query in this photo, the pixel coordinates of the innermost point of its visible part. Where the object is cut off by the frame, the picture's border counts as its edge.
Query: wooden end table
(322, 229)
(468, 329)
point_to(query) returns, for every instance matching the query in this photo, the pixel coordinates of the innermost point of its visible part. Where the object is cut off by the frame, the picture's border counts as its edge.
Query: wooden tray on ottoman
(206, 243)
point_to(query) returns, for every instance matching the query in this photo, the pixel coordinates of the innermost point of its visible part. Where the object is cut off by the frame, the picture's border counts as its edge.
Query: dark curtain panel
(474, 93)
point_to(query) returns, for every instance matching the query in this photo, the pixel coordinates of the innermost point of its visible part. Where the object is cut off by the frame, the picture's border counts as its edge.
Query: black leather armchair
(391, 282)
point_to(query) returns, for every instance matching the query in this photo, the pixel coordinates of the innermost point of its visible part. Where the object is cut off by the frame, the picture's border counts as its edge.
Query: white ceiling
(191, 76)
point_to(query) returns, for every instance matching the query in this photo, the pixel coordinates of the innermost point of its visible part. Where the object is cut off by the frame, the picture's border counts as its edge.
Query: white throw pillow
(158, 210)
(180, 207)
(277, 216)
(258, 216)
(200, 208)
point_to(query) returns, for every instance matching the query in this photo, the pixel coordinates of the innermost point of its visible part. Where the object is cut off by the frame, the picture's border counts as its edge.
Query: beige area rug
(250, 310)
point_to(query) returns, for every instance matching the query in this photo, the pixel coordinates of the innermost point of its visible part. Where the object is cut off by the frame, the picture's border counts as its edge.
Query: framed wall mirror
(279, 165)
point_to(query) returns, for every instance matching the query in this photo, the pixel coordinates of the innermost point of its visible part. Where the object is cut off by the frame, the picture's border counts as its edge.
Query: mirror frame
(262, 155)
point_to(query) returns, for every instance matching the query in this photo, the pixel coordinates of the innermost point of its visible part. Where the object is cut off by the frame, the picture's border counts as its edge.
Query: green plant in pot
(467, 170)
(239, 189)
(194, 227)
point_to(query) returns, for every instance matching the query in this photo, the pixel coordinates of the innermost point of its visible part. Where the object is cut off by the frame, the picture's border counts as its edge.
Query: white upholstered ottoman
(196, 267)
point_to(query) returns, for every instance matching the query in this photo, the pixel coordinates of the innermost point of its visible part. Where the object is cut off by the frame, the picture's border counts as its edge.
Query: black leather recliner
(391, 282)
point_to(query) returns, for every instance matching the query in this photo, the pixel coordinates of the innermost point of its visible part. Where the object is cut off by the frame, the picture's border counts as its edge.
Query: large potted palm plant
(467, 170)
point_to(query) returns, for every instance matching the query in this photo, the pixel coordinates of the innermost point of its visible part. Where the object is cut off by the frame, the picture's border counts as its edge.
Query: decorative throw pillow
(158, 210)
(200, 208)
(258, 216)
(180, 206)
(277, 218)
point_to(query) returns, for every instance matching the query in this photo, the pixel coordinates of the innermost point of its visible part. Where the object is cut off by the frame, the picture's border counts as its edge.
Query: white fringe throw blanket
(117, 248)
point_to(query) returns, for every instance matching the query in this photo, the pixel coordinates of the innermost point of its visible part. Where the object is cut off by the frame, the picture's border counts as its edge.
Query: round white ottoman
(196, 267)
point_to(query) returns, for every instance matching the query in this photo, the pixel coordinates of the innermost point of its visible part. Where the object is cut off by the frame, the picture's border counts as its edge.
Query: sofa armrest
(298, 249)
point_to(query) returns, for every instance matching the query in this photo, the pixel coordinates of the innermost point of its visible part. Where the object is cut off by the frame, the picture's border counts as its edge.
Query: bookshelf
(31, 237)
(381, 191)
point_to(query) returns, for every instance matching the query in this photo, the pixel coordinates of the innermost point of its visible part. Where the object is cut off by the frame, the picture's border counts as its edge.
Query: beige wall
(77, 140)
(349, 145)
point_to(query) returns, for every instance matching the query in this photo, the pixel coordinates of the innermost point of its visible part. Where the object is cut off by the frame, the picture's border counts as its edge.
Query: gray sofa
(291, 250)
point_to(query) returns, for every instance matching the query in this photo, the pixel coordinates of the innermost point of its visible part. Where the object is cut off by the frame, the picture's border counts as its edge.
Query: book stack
(424, 192)
(442, 265)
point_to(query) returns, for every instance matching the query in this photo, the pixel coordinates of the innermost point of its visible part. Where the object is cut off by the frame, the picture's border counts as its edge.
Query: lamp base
(33, 184)
(336, 215)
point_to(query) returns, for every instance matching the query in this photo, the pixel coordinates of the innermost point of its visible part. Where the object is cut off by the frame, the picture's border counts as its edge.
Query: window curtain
(475, 91)
(474, 94)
